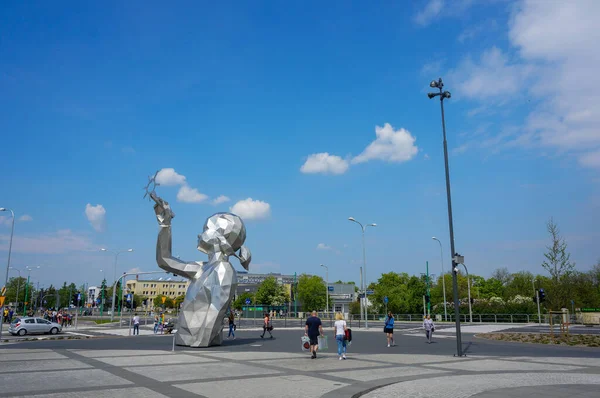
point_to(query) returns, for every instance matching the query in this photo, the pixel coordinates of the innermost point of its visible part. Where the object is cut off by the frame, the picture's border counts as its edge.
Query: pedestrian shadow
(242, 341)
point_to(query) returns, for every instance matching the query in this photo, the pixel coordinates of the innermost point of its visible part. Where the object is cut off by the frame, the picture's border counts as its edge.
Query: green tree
(240, 300)
(558, 265)
(311, 292)
(16, 284)
(271, 293)
(405, 293)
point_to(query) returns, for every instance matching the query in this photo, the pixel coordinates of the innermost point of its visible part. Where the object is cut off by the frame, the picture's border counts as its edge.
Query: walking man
(313, 328)
(136, 324)
(429, 328)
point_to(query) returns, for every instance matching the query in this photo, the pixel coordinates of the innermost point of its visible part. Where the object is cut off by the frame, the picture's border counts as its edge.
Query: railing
(378, 320)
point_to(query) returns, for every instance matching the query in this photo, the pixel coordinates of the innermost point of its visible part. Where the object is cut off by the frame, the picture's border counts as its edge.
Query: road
(145, 366)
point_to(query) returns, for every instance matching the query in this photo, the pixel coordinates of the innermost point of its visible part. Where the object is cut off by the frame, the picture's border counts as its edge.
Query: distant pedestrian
(156, 320)
(429, 328)
(388, 329)
(313, 329)
(267, 326)
(136, 324)
(340, 334)
(231, 325)
(10, 315)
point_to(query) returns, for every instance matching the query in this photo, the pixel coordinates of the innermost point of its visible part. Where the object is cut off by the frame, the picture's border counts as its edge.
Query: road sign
(78, 296)
(330, 288)
(129, 298)
(3, 293)
(370, 292)
(164, 299)
(2, 301)
(385, 299)
(248, 301)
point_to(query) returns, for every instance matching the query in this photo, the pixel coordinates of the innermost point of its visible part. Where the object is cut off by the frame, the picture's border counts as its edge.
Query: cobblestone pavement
(249, 367)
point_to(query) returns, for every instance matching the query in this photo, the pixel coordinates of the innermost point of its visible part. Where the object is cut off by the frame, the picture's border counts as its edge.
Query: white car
(30, 325)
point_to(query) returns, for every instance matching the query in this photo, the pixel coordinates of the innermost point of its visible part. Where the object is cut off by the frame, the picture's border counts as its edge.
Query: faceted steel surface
(213, 283)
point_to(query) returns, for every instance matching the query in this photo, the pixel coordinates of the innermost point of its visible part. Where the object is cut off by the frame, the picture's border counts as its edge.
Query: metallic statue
(213, 283)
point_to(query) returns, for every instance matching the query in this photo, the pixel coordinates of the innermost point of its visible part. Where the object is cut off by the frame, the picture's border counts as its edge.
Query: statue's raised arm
(164, 253)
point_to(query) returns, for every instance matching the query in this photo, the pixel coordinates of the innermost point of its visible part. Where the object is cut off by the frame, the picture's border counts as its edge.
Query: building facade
(151, 288)
(341, 295)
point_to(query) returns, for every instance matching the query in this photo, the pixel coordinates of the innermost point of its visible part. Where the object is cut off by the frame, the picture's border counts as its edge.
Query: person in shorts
(388, 329)
(313, 329)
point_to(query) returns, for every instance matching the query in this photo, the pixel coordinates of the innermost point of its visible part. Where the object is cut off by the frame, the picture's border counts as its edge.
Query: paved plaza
(146, 366)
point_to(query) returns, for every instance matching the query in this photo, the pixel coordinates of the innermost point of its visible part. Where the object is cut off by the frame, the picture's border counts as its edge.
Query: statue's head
(224, 233)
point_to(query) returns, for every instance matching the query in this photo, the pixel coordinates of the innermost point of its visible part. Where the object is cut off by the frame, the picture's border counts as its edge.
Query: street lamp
(112, 313)
(327, 284)
(366, 284)
(29, 269)
(12, 230)
(446, 94)
(468, 292)
(443, 278)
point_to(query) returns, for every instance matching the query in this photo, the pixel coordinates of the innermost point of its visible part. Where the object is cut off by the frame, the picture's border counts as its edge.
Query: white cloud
(249, 209)
(323, 246)
(431, 12)
(134, 270)
(188, 194)
(324, 163)
(6, 221)
(169, 177)
(59, 242)
(553, 65)
(220, 199)
(473, 78)
(390, 145)
(25, 217)
(96, 215)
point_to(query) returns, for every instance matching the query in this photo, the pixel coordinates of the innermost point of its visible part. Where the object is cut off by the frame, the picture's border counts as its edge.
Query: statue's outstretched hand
(163, 211)
(245, 256)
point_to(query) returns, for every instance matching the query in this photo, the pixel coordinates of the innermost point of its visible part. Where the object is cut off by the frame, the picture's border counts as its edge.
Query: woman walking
(231, 325)
(267, 326)
(429, 328)
(389, 329)
(340, 334)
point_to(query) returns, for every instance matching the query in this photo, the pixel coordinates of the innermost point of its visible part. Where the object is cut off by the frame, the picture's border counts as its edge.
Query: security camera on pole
(443, 95)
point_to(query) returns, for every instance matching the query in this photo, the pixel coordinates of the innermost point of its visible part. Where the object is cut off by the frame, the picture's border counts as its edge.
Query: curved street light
(364, 276)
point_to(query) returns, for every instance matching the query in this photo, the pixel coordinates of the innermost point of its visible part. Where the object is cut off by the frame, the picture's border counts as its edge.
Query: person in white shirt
(429, 328)
(136, 324)
(340, 334)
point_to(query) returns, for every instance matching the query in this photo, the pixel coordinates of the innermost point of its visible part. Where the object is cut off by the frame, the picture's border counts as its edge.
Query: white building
(93, 292)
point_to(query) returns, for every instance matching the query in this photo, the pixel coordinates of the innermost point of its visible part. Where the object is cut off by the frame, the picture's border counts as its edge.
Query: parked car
(31, 325)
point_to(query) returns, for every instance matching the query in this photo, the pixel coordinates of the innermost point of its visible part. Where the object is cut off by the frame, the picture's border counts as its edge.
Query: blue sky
(276, 106)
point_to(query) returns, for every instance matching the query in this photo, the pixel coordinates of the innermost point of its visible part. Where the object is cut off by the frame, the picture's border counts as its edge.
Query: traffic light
(472, 300)
(542, 295)
(427, 298)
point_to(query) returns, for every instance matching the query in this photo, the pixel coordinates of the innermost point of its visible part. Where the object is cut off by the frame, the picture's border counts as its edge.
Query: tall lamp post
(443, 278)
(18, 288)
(327, 284)
(12, 230)
(112, 313)
(29, 269)
(446, 94)
(366, 284)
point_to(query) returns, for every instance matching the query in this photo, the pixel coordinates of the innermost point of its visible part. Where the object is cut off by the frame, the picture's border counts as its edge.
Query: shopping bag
(323, 343)
(305, 343)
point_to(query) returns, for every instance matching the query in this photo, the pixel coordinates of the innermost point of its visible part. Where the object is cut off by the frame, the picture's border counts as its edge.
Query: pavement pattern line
(277, 368)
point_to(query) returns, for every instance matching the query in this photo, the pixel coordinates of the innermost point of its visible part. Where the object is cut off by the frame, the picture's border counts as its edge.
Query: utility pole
(295, 296)
(428, 289)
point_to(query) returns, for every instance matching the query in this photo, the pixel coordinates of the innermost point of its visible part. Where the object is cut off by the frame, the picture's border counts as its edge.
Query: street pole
(366, 283)
(443, 279)
(295, 296)
(12, 230)
(442, 95)
(469, 292)
(26, 294)
(77, 312)
(326, 288)
(112, 313)
(362, 291)
(424, 307)
(537, 299)
(428, 289)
